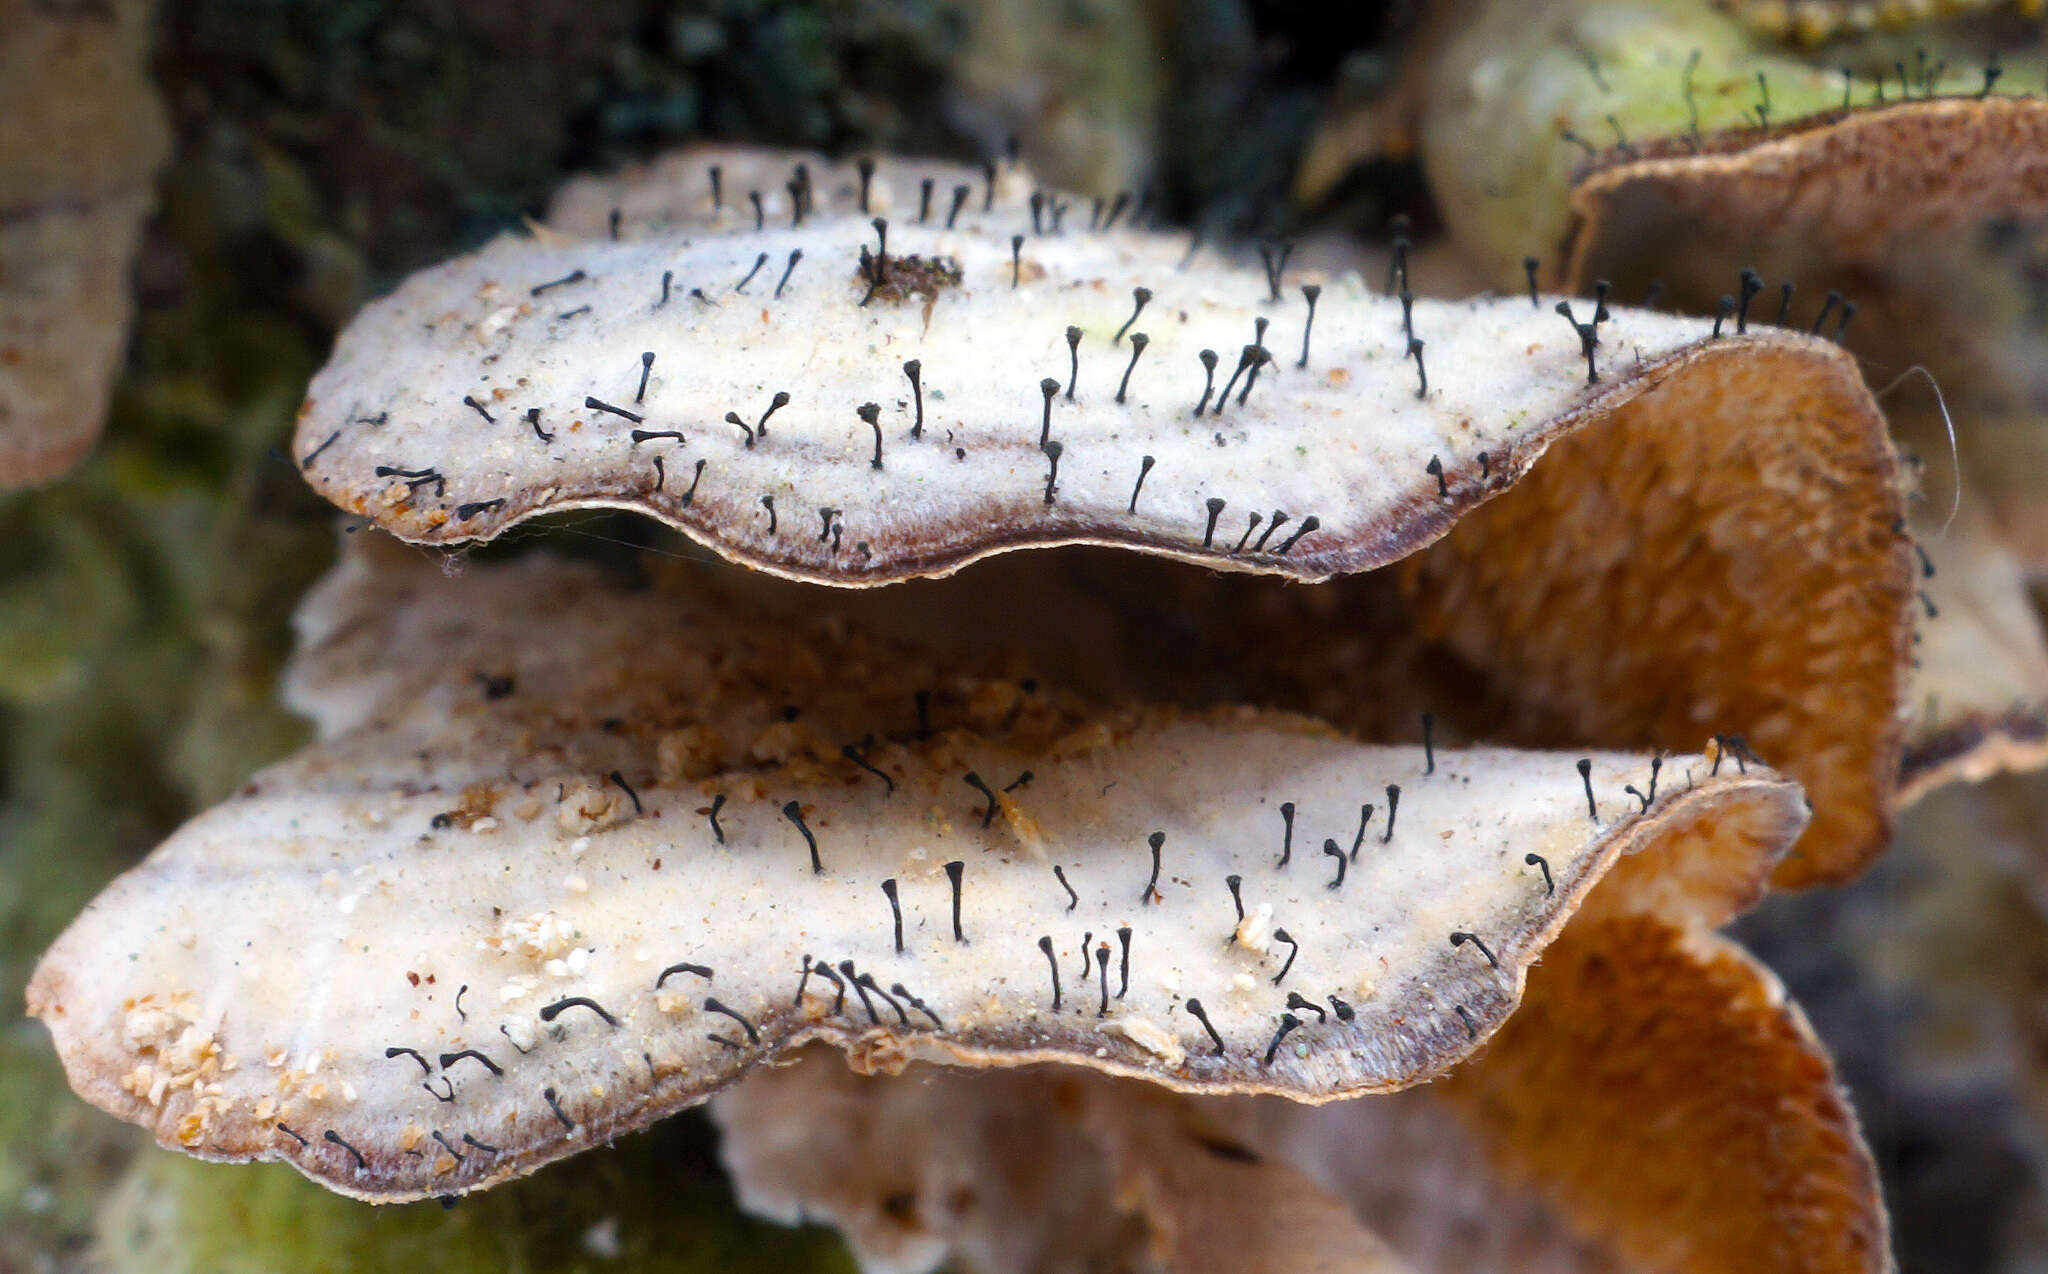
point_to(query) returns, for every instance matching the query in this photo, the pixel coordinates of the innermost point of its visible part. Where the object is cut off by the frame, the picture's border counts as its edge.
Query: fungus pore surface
(1704, 540)
(535, 887)
(552, 371)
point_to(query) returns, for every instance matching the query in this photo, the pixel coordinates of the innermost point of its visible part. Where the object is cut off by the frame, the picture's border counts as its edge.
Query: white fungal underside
(455, 864)
(1320, 469)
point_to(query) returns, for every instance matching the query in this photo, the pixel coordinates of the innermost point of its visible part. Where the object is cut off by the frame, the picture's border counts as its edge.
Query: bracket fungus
(1661, 150)
(463, 403)
(516, 381)
(650, 869)
(1838, 201)
(538, 885)
(1537, 1157)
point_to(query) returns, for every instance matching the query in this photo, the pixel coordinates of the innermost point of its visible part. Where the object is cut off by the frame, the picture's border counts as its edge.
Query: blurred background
(313, 154)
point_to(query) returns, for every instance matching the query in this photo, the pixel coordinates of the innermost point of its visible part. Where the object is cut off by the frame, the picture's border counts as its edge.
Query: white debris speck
(602, 1240)
(517, 1029)
(588, 807)
(1255, 931)
(576, 885)
(496, 321)
(149, 1027)
(1150, 1036)
(484, 825)
(540, 936)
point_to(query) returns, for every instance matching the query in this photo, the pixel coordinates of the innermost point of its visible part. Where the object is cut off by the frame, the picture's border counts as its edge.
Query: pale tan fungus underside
(1324, 472)
(1047, 1168)
(1321, 471)
(526, 813)
(1658, 1104)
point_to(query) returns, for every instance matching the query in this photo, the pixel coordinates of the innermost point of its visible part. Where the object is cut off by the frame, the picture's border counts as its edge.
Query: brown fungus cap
(1770, 1171)
(536, 887)
(1919, 213)
(1757, 589)
(1904, 208)
(1858, 184)
(1657, 1104)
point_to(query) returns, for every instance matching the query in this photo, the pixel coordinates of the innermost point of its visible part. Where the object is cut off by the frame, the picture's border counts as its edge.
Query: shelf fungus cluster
(1899, 179)
(1209, 865)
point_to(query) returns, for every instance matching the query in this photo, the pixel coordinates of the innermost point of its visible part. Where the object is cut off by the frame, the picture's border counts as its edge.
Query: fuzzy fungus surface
(1534, 1156)
(1538, 1155)
(1546, 520)
(531, 890)
(1852, 181)
(518, 380)
(1661, 148)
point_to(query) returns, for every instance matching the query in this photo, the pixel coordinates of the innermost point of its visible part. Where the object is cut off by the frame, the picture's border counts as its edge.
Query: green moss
(58, 1158)
(654, 1202)
(1503, 115)
(1511, 118)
